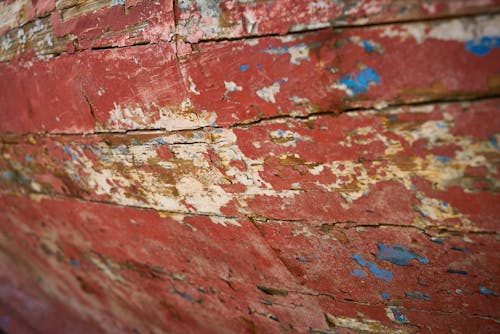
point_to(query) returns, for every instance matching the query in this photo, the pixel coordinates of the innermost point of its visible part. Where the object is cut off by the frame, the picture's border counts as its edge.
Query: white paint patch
(298, 53)
(231, 87)
(251, 41)
(268, 94)
(342, 87)
(202, 197)
(192, 86)
(184, 117)
(460, 30)
(21, 36)
(251, 22)
(309, 26)
(316, 170)
(6, 42)
(363, 325)
(224, 221)
(36, 28)
(288, 138)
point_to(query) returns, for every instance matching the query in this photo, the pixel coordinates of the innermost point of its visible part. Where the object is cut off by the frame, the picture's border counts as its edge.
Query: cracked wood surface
(431, 157)
(48, 27)
(131, 269)
(249, 166)
(223, 83)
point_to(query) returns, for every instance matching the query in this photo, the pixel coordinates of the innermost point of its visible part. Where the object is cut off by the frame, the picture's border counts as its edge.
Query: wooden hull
(249, 166)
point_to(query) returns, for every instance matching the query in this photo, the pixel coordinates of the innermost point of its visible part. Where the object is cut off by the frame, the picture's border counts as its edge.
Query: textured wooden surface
(249, 166)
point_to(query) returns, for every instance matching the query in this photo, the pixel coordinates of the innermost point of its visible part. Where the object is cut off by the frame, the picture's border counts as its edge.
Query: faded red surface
(249, 167)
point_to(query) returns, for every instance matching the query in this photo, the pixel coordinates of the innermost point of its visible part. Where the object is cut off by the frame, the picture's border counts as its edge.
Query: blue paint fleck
(117, 3)
(259, 66)
(437, 240)
(376, 271)
(368, 46)
(458, 291)
(458, 272)
(359, 273)
(483, 45)
(302, 259)
(422, 283)
(443, 158)
(74, 263)
(359, 84)
(289, 49)
(385, 295)
(485, 291)
(67, 150)
(400, 317)
(445, 204)
(28, 158)
(330, 69)
(417, 295)
(8, 175)
(243, 68)
(393, 118)
(158, 142)
(460, 249)
(493, 141)
(441, 124)
(122, 149)
(398, 255)
(184, 295)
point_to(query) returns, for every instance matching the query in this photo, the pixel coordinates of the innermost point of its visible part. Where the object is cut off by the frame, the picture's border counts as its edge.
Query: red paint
(181, 167)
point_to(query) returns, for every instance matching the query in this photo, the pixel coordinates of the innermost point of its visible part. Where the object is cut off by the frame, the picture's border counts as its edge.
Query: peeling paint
(269, 93)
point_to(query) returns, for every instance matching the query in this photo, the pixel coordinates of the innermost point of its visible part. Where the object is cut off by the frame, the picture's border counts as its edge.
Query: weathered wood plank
(183, 274)
(242, 81)
(336, 70)
(17, 13)
(430, 162)
(216, 19)
(79, 25)
(91, 24)
(393, 267)
(35, 37)
(126, 268)
(115, 23)
(290, 177)
(76, 93)
(25, 308)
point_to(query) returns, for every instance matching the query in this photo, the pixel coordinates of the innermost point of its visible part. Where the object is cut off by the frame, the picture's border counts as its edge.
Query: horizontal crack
(254, 219)
(332, 25)
(56, 196)
(344, 26)
(344, 226)
(271, 119)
